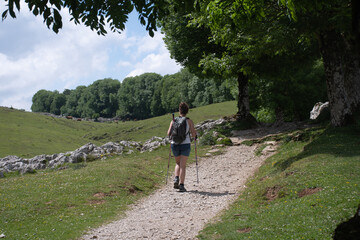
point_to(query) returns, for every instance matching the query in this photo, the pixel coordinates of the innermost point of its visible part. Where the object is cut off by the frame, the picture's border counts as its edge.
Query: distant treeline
(139, 97)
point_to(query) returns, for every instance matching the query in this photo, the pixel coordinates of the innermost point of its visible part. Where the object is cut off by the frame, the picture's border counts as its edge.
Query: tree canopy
(94, 14)
(139, 97)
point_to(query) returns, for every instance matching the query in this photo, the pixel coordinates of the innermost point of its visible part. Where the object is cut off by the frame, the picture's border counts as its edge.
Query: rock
(152, 144)
(320, 112)
(236, 141)
(214, 150)
(2, 235)
(209, 124)
(273, 143)
(269, 148)
(27, 169)
(112, 147)
(87, 148)
(77, 157)
(88, 152)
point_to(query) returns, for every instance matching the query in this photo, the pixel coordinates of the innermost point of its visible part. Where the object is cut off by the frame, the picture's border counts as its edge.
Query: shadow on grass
(339, 142)
(210, 194)
(350, 229)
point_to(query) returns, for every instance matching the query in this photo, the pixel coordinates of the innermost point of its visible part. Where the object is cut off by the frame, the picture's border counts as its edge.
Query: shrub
(208, 139)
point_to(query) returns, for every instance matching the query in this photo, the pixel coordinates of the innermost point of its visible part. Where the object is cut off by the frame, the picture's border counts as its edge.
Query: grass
(64, 203)
(27, 134)
(303, 192)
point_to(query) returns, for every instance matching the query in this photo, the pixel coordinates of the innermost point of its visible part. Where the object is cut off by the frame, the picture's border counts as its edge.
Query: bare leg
(183, 160)
(177, 166)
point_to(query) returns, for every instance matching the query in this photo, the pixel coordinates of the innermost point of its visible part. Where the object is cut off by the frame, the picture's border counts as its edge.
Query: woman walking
(181, 150)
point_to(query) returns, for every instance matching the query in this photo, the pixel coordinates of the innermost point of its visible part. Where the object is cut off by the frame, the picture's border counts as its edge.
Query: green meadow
(64, 203)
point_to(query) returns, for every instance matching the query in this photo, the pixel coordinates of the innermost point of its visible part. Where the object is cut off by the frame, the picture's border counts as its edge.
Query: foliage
(275, 197)
(208, 139)
(135, 96)
(265, 115)
(92, 14)
(288, 92)
(138, 97)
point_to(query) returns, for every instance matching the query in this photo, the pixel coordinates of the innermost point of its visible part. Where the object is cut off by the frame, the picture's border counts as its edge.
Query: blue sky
(32, 57)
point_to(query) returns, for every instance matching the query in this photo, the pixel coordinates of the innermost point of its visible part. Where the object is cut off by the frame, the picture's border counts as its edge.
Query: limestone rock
(320, 112)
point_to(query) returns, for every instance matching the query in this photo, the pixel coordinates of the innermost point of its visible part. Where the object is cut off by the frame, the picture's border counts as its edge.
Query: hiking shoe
(182, 188)
(176, 183)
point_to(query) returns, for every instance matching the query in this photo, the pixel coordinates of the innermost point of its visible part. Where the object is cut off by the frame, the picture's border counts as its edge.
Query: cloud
(33, 57)
(156, 57)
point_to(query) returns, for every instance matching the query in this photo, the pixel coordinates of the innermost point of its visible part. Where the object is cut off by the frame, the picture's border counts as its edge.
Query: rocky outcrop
(209, 124)
(88, 152)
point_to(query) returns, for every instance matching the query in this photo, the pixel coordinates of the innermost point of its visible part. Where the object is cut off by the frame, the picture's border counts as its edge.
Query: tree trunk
(243, 97)
(342, 69)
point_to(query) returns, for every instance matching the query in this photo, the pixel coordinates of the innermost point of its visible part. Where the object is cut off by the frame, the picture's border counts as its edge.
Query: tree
(71, 107)
(58, 101)
(94, 14)
(334, 24)
(193, 46)
(41, 101)
(136, 94)
(103, 97)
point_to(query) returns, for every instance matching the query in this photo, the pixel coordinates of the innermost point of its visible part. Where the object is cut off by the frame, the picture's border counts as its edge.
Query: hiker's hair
(183, 108)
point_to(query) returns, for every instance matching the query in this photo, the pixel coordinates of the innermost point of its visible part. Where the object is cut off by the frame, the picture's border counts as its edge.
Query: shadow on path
(210, 194)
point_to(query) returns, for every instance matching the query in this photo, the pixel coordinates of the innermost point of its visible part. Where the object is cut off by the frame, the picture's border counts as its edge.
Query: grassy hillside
(303, 192)
(28, 134)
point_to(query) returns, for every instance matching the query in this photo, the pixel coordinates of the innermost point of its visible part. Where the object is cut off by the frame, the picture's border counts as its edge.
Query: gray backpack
(178, 130)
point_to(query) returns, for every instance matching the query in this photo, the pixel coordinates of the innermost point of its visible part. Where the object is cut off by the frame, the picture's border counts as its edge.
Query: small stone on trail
(2, 235)
(214, 150)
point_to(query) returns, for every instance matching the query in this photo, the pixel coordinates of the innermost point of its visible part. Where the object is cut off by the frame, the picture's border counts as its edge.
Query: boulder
(152, 144)
(320, 112)
(112, 147)
(209, 124)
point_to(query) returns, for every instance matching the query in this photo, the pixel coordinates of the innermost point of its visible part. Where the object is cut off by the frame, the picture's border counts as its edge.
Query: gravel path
(168, 214)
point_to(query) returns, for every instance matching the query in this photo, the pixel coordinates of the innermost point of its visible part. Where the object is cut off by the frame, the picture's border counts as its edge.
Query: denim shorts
(181, 149)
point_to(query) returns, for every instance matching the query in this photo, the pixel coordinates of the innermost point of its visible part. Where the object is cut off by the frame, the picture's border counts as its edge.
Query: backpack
(178, 130)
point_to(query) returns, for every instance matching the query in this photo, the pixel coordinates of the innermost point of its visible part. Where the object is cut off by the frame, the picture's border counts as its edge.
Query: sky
(33, 57)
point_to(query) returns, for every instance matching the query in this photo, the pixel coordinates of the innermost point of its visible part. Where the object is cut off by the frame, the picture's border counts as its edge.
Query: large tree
(333, 23)
(193, 46)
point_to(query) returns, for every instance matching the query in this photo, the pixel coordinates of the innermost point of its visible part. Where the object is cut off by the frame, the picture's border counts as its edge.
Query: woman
(182, 151)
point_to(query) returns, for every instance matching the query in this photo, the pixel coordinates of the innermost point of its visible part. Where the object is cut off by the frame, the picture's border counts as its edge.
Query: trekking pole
(167, 174)
(197, 171)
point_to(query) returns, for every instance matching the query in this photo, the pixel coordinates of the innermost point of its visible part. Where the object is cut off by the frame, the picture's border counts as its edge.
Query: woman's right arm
(169, 130)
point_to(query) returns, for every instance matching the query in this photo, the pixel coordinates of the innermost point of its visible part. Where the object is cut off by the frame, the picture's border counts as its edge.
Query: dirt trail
(168, 214)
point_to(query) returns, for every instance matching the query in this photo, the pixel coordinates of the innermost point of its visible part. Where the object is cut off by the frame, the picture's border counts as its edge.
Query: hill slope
(27, 134)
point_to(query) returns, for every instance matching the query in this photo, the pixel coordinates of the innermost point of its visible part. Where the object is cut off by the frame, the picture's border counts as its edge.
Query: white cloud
(158, 62)
(33, 57)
